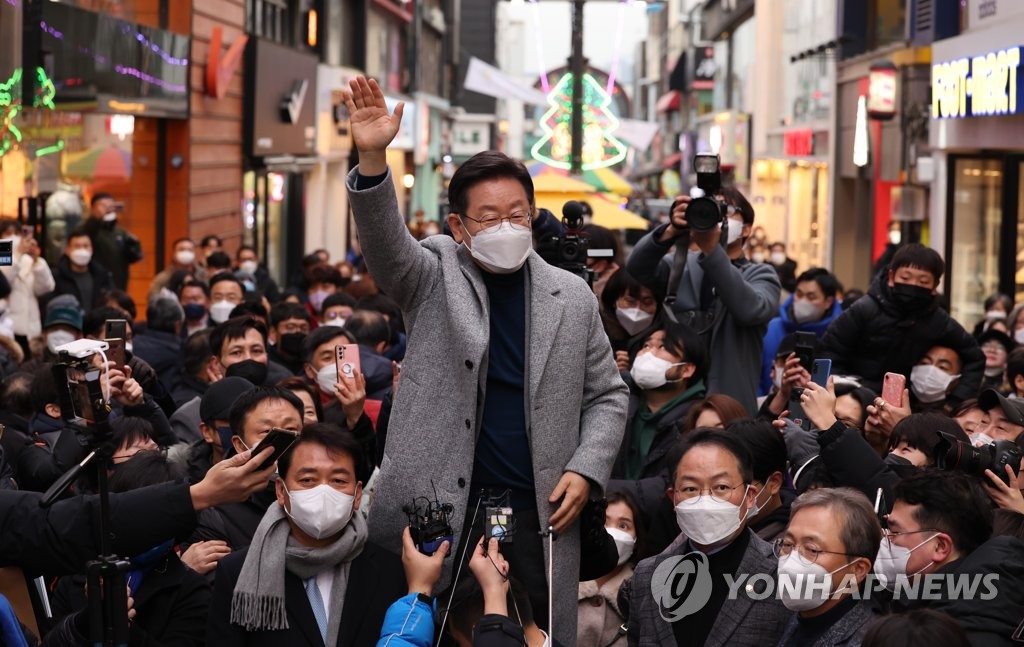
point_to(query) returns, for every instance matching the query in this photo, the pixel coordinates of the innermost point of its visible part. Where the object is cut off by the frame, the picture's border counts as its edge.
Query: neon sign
(11, 105)
(981, 86)
(601, 149)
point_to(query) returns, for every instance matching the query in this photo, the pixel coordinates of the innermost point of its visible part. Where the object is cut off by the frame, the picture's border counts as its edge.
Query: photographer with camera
(712, 287)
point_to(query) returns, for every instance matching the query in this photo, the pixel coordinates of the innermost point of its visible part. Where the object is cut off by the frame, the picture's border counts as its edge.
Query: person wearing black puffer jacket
(897, 322)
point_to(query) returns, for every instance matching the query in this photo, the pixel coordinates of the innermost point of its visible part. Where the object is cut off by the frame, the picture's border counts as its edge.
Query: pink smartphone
(347, 360)
(893, 385)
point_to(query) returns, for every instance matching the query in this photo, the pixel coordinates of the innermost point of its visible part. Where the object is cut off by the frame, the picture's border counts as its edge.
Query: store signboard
(985, 13)
(798, 143)
(281, 111)
(984, 85)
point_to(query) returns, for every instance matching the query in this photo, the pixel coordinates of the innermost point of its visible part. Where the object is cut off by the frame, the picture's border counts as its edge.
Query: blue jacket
(409, 622)
(783, 325)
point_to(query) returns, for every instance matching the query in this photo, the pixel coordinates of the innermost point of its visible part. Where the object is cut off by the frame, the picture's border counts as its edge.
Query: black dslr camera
(429, 523)
(706, 212)
(953, 454)
(570, 249)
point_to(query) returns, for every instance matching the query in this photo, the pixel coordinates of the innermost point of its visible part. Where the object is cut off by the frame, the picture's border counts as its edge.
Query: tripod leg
(97, 604)
(117, 601)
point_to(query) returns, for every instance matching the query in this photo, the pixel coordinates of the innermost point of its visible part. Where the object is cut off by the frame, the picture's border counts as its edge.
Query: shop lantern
(882, 91)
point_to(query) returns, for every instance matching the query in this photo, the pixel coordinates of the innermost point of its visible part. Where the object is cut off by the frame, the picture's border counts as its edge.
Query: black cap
(217, 401)
(999, 336)
(1013, 409)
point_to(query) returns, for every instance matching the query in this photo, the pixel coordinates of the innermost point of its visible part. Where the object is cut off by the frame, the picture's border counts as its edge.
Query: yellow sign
(982, 86)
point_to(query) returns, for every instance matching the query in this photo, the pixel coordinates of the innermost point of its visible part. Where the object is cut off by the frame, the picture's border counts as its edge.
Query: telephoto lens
(953, 454)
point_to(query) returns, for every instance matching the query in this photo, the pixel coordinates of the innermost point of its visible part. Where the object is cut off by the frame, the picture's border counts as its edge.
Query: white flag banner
(489, 80)
(636, 133)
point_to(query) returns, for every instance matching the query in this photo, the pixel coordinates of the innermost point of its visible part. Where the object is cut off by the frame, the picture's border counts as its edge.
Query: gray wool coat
(576, 401)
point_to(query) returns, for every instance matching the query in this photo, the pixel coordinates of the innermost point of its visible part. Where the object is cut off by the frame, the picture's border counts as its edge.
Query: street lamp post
(576, 67)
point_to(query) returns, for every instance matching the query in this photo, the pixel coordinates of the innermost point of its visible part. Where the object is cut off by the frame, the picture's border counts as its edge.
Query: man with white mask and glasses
(713, 495)
(940, 527)
(309, 577)
(509, 390)
(666, 379)
(824, 556)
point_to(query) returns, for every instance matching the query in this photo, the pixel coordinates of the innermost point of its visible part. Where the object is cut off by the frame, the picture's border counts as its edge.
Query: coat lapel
(299, 611)
(543, 316)
(735, 610)
(360, 580)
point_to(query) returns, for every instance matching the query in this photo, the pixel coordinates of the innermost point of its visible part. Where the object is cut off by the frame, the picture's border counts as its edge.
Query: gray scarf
(258, 604)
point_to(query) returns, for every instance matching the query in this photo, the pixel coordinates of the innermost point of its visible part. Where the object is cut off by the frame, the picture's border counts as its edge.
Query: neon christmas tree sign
(11, 105)
(601, 148)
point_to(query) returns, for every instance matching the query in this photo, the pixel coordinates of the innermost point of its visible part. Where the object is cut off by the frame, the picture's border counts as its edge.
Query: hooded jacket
(783, 325)
(874, 336)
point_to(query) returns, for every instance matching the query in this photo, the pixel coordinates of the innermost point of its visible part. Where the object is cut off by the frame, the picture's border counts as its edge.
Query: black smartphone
(280, 440)
(116, 329)
(804, 349)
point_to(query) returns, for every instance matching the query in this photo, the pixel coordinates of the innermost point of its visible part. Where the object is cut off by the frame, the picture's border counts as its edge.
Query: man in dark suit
(310, 577)
(712, 493)
(160, 344)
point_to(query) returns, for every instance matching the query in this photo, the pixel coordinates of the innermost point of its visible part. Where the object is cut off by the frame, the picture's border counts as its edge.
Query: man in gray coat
(721, 294)
(712, 586)
(508, 383)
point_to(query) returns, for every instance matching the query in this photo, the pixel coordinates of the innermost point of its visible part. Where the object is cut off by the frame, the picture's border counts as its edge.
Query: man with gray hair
(825, 555)
(160, 344)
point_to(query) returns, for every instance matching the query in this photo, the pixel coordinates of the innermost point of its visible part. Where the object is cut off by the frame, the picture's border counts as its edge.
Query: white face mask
(706, 521)
(337, 321)
(327, 377)
(648, 371)
(1018, 336)
(994, 371)
(321, 511)
(755, 509)
(58, 338)
(624, 543)
(185, 257)
(248, 267)
(757, 257)
(995, 315)
(980, 438)
(895, 237)
(805, 311)
(778, 258)
(110, 216)
(502, 249)
(128, 346)
(634, 320)
(735, 231)
(929, 382)
(221, 311)
(807, 586)
(80, 256)
(891, 561)
(779, 370)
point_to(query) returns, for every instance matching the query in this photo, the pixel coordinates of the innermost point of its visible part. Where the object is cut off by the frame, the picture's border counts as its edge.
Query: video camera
(570, 249)
(429, 523)
(705, 211)
(954, 454)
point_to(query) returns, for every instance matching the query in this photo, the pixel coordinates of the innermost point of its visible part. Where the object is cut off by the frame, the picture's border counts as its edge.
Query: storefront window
(977, 219)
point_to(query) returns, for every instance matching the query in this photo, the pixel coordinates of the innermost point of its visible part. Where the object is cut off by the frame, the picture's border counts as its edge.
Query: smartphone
(347, 360)
(116, 329)
(116, 353)
(893, 385)
(804, 349)
(822, 370)
(280, 440)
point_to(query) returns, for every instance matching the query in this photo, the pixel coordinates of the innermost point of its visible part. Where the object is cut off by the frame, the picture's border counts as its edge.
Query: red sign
(220, 68)
(798, 143)
(882, 91)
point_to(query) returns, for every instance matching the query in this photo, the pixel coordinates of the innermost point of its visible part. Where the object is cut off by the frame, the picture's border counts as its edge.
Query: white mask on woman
(634, 320)
(624, 543)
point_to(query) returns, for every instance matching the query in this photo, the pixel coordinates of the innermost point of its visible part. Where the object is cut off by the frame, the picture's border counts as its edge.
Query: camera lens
(703, 214)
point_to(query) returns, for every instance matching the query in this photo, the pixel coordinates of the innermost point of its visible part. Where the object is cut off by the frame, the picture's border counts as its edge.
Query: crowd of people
(670, 453)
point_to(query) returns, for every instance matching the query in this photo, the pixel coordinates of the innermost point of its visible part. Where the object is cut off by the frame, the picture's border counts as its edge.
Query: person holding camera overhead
(717, 291)
(508, 385)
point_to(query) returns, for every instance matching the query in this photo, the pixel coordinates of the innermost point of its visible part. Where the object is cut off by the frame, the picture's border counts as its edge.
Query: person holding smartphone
(30, 278)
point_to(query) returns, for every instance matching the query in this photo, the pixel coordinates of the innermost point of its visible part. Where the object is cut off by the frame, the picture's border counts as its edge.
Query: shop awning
(608, 210)
(669, 101)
